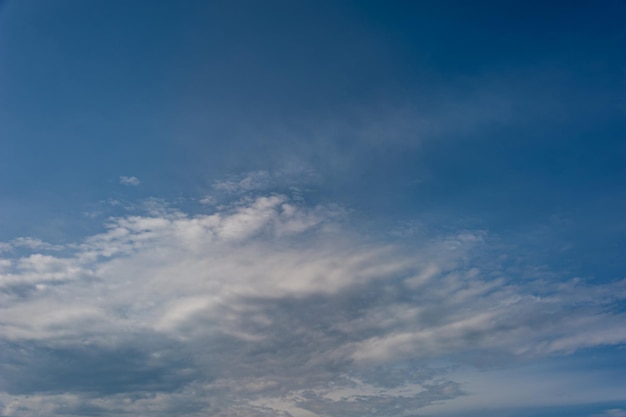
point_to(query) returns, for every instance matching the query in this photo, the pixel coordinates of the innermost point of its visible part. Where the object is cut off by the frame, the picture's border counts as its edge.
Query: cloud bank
(269, 306)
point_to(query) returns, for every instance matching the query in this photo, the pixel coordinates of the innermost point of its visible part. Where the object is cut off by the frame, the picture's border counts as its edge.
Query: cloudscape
(312, 208)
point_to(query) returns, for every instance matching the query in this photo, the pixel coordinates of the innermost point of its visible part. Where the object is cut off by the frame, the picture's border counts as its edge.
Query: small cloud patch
(615, 412)
(130, 181)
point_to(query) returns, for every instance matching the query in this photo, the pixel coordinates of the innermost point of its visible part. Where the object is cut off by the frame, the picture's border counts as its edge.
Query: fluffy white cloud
(268, 306)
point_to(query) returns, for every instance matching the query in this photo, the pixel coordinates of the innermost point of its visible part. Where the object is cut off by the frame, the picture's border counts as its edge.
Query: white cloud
(268, 306)
(614, 412)
(28, 243)
(252, 181)
(5, 264)
(131, 181)
(208, 200)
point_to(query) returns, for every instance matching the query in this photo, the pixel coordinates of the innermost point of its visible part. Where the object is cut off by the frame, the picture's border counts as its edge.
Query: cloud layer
(270, 306)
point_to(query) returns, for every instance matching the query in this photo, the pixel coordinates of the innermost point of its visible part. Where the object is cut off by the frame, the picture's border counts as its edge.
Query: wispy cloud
(28, 243)
(264, 181)
(614, 412)
(131, 181)
(268, 306)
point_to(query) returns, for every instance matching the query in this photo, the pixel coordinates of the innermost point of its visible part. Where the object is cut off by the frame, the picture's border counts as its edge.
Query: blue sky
(312, 208)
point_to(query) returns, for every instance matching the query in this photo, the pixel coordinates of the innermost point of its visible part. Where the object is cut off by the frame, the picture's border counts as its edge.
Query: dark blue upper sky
(509, 109)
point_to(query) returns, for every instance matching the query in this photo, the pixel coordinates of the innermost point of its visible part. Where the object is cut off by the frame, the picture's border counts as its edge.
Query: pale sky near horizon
(312, 208)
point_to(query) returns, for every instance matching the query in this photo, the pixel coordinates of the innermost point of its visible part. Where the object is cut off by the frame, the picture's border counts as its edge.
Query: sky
(312, 208)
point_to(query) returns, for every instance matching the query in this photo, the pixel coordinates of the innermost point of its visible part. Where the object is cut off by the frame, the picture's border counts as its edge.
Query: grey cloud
(269, 307)
(387, 405)
(96, 369)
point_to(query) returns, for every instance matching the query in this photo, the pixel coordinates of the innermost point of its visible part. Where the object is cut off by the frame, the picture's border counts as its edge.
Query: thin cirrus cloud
(271, 306)
(130, 181)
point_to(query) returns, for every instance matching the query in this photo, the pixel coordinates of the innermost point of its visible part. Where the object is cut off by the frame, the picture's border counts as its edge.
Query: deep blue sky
(402, 126)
